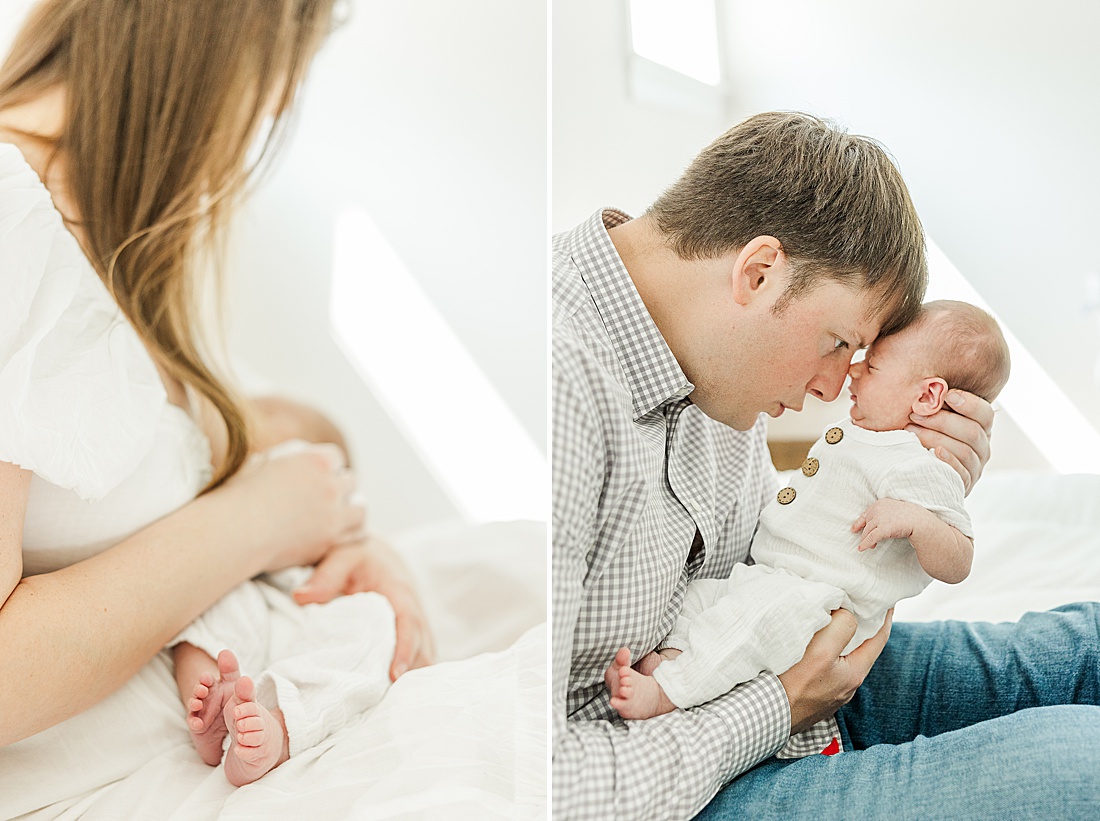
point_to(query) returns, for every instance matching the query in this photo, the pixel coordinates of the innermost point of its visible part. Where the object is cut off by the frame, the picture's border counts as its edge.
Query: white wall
(988, 108)
(426, 116)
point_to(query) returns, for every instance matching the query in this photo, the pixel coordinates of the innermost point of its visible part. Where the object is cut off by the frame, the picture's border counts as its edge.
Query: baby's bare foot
(639, 696)
(258, 740)
(204, 718)
(611, 677)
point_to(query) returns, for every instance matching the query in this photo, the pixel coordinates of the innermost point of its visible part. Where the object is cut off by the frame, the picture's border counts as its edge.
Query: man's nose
(827, 384)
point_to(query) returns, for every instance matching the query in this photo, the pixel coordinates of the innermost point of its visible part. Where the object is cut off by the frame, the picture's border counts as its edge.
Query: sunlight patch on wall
(1043, 411)
(428, 382)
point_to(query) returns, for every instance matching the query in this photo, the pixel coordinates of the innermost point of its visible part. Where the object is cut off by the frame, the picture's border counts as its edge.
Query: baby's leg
(205, 687)
(258, 738)
(635, 694)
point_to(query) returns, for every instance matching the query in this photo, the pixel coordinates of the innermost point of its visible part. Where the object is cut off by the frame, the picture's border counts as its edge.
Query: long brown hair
(163, 101)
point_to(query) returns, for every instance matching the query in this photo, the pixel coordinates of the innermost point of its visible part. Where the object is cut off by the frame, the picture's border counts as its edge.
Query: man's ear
(933, 395)
(757, 268)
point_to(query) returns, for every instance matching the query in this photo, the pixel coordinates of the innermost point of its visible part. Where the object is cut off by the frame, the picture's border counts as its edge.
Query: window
(681, 35)
(674, 56)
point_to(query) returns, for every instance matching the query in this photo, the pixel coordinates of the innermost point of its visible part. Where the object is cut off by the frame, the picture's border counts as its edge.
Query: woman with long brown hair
(128, 503)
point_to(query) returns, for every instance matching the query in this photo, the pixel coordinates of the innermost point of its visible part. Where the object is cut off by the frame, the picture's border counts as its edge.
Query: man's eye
(840, 343)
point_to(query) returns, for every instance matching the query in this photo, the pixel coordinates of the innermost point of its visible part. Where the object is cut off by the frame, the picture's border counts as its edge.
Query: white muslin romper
(806, 564)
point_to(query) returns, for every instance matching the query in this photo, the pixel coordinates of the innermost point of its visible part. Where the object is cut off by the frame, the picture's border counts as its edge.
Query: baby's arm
(943, 551)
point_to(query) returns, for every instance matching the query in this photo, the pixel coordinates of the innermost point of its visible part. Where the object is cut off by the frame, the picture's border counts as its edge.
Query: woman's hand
(299, 501)
(370, 565)
(961, 439)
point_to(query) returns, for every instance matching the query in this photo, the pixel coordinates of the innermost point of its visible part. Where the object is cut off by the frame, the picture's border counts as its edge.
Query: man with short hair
(785, 247)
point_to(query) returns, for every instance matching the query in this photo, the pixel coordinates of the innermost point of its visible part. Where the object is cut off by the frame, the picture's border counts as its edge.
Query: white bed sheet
(1037, 546)
(465, 738)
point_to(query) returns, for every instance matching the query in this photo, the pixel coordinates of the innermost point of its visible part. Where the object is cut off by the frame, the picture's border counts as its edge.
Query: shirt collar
(652, 372)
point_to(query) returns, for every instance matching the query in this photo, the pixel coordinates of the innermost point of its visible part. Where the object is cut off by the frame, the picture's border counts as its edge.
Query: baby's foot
(204, 718)
(258, 740)
(611, 677)
(634, 695)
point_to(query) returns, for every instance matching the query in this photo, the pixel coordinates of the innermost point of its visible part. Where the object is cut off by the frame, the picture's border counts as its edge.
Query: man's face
(887, 383)
(772, 359)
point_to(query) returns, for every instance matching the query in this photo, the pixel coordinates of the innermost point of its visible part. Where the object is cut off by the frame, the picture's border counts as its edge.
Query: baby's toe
(246, 709)
(249, 724)
(254, 738)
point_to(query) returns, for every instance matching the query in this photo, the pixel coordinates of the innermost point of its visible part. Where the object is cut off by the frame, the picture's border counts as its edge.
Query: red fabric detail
(833, 748)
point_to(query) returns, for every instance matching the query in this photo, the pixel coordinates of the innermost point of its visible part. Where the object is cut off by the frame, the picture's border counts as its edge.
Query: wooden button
(833, 435)
(786, 496)
(810, 466)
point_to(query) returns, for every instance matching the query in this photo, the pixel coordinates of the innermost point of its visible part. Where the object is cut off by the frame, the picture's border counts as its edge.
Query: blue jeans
(956, 721)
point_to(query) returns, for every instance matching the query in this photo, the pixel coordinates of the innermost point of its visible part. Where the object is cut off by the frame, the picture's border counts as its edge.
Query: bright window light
(1045, 414)
(682, 35)
(429, 383)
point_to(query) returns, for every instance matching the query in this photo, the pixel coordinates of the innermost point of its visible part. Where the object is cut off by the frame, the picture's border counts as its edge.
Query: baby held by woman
(871, 518)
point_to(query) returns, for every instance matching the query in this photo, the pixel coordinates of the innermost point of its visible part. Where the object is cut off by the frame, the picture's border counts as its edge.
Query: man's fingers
(831, 639)
(968, 473)
(970, 426)
(865, 655)
(958, 454)
(972, 407)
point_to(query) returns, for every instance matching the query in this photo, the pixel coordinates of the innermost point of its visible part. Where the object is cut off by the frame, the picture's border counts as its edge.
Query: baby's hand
(886, 519)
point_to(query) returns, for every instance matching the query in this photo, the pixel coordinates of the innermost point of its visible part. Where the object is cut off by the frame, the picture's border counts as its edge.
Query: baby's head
(950, 345)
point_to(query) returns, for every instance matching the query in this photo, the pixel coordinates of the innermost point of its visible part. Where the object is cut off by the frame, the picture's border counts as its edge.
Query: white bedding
(1036, 546)
(465, 738)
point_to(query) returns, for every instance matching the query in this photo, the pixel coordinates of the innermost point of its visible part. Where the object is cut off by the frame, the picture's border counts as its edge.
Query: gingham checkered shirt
(648, 493)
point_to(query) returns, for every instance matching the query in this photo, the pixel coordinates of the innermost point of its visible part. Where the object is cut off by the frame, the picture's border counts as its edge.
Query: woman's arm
(72, 637)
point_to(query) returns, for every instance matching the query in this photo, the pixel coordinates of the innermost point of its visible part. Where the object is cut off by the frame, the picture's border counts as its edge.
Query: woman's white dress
(83, 407)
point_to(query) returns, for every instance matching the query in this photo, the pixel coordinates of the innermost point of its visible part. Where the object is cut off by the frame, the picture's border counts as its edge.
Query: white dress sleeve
(79, 394)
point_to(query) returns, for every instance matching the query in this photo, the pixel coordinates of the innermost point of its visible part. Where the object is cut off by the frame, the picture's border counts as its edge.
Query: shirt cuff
(823, 737)
(758, 713)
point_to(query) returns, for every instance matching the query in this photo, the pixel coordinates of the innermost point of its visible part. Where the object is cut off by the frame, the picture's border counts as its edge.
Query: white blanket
(461, 739)
(1036, 546)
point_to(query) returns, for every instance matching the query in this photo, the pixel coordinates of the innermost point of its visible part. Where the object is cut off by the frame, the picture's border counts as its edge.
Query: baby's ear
(933, 395)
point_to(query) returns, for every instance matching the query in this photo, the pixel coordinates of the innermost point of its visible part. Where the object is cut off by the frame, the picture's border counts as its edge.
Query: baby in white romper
(321, 665)
(870, 519)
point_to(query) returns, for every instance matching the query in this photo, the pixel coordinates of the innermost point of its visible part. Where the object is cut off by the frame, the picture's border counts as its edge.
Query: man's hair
(966, 347)
(835, 201)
